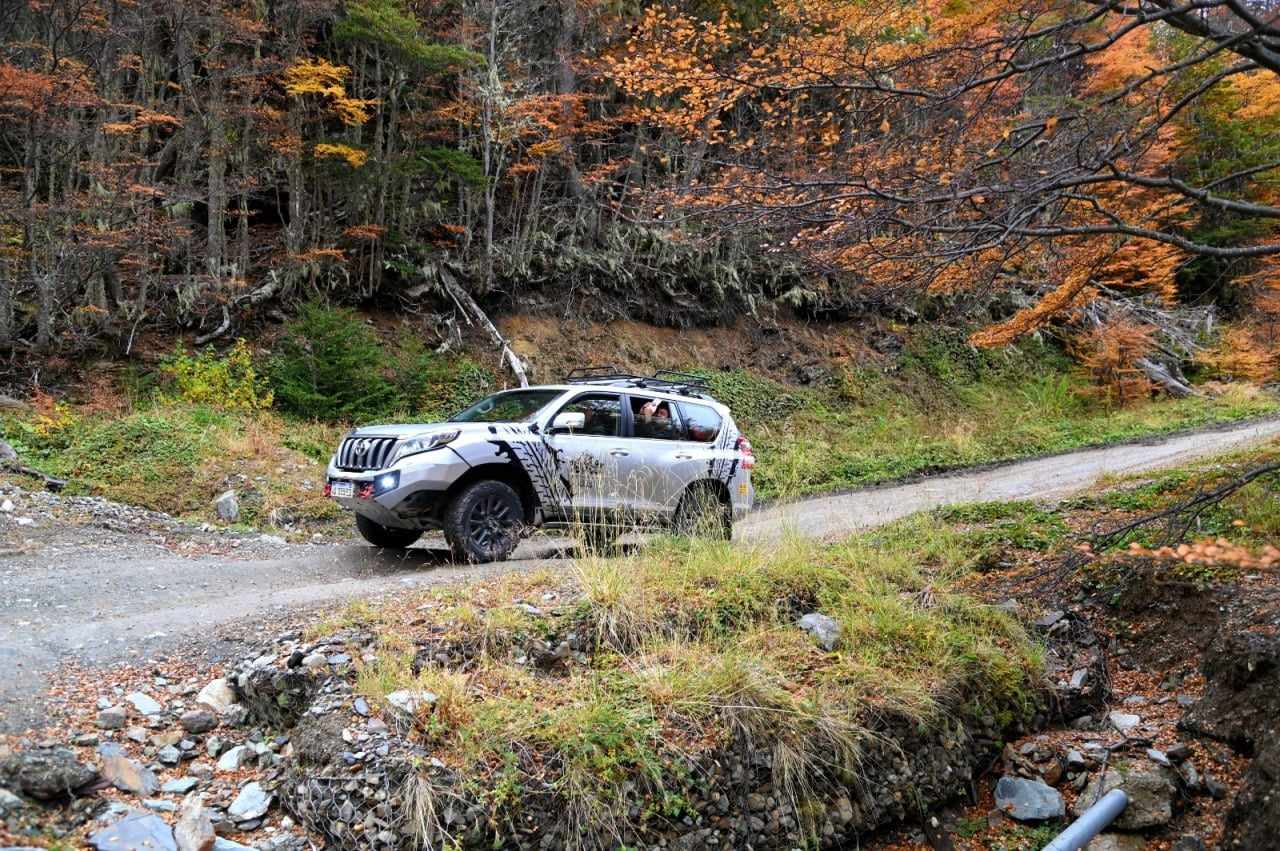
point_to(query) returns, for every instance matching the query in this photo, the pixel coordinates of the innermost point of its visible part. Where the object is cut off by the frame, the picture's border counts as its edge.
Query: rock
(112, 718)
(10, 803)
(361, 707)
(314, 660)
(198, 720)
(160, 805)
(137, 734)
(1215, 787)
(169, 755)
(145, 704)
(273, 540)
(227, 507)
(166, 738)
(825, 630)
(1116, 842)
(235, 758)
(7, 506)
(135, 832)
(217, 695)
(409, 702)
(1159, 757)
(1188, 843)
(221, 844)
(1050, 618)
(1123, 721)
(194, 830)
(252, 802)
(180, 785)
(1028, 800)
(46, 773)
(1180, 752)
(1076, 761)
(85, 740)
(1150, 792)
(125, 774)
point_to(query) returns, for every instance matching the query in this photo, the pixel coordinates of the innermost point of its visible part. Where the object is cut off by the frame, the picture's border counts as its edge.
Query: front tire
(483, 522)
(385, 536)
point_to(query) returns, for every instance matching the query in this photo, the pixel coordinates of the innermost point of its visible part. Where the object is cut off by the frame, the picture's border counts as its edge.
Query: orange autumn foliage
(1108, 355)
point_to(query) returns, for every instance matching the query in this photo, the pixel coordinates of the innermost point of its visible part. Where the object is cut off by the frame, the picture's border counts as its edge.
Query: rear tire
(385, 536)
(703, 514)
(483, 522)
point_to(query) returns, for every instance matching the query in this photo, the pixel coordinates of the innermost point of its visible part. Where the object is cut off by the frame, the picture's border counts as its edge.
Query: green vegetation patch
(945, 405)
(688, 649)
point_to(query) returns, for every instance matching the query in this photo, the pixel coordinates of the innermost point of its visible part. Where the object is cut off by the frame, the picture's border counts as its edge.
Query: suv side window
(702, 423)
(661, 424)
(603, 412)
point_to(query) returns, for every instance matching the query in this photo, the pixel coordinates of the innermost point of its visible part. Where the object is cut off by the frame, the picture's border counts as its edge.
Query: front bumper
(414, 500)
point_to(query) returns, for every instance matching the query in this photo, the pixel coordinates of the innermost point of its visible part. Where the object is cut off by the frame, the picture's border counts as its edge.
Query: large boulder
(1150, 789)
(46, 773)
(1028, 800)
(125, 774)
(137, 831)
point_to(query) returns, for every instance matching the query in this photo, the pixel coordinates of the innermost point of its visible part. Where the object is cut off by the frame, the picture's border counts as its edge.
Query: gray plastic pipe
(1091, 823)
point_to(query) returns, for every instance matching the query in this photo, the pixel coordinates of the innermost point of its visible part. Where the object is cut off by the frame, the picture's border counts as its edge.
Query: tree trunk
(216, 122)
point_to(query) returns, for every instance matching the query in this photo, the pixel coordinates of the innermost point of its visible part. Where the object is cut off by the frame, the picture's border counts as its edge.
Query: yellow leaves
(315, 77)
(1259, 93)
(549, 148)
(323, 78)
(353, 156)
(1049, 124)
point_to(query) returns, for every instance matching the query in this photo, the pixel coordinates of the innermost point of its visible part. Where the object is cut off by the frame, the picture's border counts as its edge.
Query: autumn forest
(196, 165)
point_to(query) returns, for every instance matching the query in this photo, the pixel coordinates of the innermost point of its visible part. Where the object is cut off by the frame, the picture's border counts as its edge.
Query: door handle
(619, 453)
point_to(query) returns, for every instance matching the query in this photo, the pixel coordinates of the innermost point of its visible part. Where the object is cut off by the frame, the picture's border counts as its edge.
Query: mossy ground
(689, 647)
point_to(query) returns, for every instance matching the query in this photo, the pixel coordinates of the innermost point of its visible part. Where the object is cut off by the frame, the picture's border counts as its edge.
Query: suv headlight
(415, 445)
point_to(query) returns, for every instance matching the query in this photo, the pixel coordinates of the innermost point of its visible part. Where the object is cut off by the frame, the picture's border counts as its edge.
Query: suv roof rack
(667, 380)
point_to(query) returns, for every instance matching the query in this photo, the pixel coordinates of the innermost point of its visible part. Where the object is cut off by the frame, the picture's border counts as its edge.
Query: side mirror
(568, 421)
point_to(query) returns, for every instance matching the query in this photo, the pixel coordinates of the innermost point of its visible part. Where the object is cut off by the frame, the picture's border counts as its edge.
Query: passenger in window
(654, 420)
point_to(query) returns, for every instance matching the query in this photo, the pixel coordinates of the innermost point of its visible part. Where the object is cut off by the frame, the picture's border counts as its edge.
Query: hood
(403, 430)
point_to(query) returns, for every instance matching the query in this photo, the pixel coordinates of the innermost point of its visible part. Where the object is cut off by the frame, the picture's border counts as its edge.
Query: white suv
(603, 452)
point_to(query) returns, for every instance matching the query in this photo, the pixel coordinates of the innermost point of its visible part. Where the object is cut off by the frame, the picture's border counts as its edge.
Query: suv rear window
(702, 424)
(654, 419)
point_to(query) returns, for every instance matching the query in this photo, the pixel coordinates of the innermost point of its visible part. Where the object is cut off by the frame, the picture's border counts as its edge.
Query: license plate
(342, 490)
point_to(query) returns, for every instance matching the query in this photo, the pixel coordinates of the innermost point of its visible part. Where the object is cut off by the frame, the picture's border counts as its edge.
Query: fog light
(386, 482)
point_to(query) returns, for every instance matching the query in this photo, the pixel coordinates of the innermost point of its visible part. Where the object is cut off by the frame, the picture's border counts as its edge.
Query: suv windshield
(513, 406)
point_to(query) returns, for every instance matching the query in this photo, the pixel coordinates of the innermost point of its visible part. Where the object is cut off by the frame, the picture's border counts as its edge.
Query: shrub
(435, 386)
(227, 381)
(330, 365)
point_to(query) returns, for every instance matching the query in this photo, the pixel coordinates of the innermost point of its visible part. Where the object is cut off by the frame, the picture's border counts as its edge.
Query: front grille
(365, 453)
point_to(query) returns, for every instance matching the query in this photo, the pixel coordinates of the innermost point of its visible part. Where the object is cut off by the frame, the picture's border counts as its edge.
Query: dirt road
(99, 595)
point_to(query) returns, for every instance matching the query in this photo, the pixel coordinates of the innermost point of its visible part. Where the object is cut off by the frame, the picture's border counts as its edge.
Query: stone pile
(175, 756)
(353, 776)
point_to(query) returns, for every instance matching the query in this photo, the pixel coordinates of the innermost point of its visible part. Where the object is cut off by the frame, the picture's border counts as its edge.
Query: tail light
(744, 449)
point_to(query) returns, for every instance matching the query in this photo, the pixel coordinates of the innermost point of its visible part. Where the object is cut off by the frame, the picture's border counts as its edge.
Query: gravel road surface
(95, 592)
